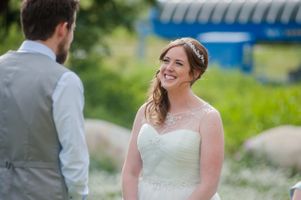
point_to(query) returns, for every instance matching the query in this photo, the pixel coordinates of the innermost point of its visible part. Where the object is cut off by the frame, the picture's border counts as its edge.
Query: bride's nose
(169, 66)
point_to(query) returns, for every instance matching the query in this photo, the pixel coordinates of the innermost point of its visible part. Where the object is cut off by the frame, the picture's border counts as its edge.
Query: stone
(280, 145)
(107, 140)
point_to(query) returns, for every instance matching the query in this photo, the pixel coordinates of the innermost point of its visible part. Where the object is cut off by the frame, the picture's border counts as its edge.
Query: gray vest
(29, 145)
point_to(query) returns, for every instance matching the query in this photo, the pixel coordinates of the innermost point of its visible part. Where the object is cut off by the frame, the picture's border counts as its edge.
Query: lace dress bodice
(171, 156)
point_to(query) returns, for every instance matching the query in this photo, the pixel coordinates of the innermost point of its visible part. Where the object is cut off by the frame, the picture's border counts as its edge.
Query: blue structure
(229, 25)
(229, 49)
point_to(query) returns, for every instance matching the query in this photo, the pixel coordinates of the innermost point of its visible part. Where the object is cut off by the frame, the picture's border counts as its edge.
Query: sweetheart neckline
(169, 132)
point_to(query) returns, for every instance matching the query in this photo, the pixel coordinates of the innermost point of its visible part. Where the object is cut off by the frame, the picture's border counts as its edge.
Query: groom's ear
(61, 30)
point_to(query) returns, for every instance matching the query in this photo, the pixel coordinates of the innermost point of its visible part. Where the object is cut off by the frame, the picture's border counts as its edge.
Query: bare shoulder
(140, 117)
(141, 111)
(208, 112)
(212, 113)
(211, 120)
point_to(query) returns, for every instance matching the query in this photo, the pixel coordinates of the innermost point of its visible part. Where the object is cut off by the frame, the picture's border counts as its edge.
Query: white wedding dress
(170, 156)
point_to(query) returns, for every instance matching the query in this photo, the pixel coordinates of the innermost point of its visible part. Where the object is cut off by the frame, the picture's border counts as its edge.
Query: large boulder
(280, 146)
(107, 141)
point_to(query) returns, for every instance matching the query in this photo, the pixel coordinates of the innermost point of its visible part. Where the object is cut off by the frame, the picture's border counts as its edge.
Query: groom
(43, 151)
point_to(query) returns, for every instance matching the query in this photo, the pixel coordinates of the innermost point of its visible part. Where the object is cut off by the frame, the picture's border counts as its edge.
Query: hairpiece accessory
(197, 52)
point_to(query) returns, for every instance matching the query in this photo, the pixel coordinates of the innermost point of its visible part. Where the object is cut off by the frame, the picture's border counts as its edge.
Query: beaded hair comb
(196, 51)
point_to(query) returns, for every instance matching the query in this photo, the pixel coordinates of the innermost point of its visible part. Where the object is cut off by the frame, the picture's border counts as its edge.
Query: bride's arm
(132, 165)
(211, 156)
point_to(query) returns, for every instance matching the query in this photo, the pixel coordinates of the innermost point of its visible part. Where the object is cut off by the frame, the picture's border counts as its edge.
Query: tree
(96, 19)
(8, 15)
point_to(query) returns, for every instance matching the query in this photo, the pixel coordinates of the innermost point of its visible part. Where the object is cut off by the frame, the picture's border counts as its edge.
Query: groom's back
(29, 146)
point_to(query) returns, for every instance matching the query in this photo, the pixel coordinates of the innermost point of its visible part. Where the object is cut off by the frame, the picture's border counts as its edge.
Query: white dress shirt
(68, 104)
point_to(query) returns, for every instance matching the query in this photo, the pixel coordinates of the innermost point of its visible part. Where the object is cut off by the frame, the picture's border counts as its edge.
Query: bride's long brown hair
(158, 104)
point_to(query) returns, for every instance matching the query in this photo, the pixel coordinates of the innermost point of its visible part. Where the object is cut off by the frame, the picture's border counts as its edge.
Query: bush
(246, 106)
(117, 86)
(108, 95)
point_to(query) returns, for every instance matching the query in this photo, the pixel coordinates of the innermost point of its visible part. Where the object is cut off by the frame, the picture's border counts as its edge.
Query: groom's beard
(62, 53)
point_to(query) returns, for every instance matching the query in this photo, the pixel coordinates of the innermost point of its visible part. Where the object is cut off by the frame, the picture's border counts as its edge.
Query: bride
(176, 148)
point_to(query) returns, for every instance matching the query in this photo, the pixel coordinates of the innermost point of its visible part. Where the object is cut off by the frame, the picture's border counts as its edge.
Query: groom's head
(52, 20)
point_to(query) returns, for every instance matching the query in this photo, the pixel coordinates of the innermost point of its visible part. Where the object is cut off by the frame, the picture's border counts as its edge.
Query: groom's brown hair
(40, 17)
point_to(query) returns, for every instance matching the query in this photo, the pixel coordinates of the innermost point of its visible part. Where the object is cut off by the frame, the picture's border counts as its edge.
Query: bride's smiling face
(174, 70)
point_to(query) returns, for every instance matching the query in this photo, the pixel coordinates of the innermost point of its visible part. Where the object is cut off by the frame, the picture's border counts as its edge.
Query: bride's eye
(165, 61)
(179, 64)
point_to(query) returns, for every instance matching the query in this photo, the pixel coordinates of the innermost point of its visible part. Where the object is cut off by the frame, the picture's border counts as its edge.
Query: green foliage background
(247, 105)
(104, 54)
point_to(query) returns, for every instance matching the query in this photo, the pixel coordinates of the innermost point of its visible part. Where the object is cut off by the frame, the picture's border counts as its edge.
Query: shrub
(246, 105)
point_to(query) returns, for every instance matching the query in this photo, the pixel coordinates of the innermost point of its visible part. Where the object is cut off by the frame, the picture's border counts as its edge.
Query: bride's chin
(168, 83)
(167, 86)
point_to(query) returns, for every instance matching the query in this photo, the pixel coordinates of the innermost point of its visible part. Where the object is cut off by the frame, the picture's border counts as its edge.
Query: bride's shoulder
(140, 115)
(142, 109)
(211, 115)
(208, 108)
(205, 107)
(208, 111)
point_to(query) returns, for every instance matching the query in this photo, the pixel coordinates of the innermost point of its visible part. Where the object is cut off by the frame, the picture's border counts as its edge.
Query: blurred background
(254, 80)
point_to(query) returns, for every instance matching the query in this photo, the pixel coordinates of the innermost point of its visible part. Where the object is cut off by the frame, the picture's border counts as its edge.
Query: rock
(281, 146)
(106, 140)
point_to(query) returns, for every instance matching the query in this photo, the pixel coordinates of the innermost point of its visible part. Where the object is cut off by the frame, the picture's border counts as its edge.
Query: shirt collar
(36, 47)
